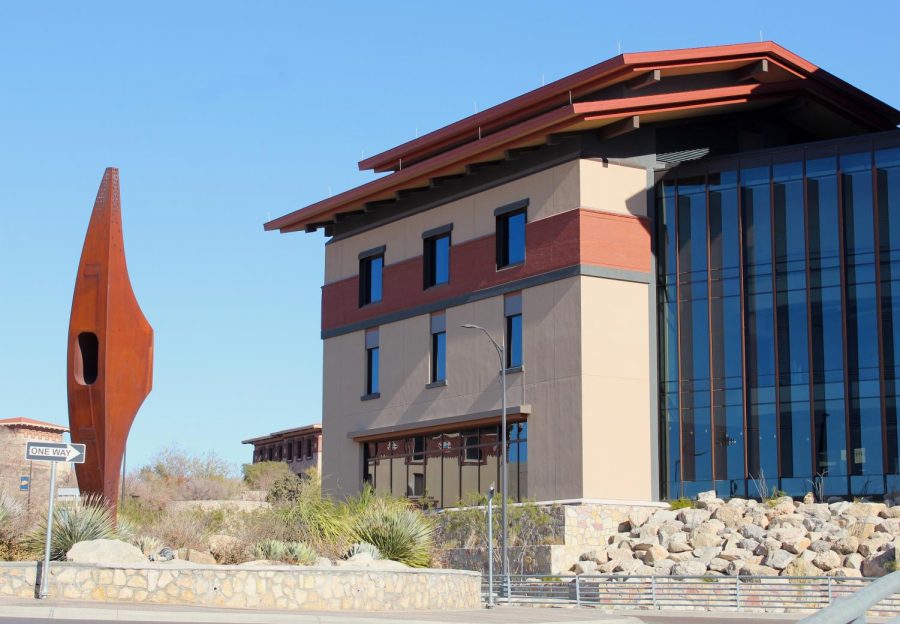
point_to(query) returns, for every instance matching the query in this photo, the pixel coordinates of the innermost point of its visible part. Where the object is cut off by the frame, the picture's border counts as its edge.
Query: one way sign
(55, 452)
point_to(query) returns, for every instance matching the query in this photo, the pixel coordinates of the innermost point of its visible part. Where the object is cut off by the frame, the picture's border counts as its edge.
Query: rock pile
(745, 537)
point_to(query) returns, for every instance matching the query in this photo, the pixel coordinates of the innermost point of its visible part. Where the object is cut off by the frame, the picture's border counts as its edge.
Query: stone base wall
(270, 587)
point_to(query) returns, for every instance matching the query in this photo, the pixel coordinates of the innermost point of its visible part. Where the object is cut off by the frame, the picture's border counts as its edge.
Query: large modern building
(692, 256)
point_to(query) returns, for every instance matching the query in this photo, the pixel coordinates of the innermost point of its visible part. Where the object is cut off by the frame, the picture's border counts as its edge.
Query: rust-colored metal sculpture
(110, 358)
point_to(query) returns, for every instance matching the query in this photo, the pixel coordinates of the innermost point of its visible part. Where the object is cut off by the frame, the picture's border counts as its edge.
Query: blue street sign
(24, 484)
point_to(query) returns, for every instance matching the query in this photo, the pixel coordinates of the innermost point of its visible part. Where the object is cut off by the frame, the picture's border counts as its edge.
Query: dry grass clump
(173, 474)
(14, 523)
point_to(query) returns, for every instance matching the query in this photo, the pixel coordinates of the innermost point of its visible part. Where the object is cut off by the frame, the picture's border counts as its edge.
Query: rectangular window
(438, 347)
(512, 309)
(371, 265)
(511, 234)
(372, 362)
(309, 448)
(436, 256)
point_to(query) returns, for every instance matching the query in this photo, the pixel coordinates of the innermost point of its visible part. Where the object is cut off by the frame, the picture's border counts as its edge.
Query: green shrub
(317, 520)
(400, 533)
(287, 489)
(364, 548)
(299, 553)
(263, 475)
(86, 519)
(681, 503)
(271, 549)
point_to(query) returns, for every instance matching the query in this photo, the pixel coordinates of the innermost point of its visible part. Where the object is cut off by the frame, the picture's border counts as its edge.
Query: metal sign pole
(490, 545)
(45, 571)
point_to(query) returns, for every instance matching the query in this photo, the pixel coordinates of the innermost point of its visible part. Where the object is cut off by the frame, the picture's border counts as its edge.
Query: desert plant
(271, 549)
(147, 543)
(400, 533)
(681, 503)
(363, 548)
(316, 519)
(13, 525)
(88, 518)
(263, 475)
(299, 553)
(188, 528)
(287, 489)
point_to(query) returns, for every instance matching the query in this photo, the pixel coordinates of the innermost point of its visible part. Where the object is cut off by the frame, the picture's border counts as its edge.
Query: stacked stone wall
(270, 587)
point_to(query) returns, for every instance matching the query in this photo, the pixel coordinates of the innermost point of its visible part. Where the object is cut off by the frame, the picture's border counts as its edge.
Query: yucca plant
(400, 533)
(364, 548)
(88, 518)
(148, 544)
(299, 553)
(271, 549)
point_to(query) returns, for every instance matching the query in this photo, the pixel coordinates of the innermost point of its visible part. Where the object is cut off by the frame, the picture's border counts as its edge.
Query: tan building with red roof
(25, 479)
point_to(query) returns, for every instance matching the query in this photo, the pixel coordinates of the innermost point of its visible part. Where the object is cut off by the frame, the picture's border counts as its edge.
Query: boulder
(799, 567)
(809, 498)
(681, 556)
(584, 567)
(105, 551)
(706, 497)
(864, 510)
(827, 560)
(662, 516)
(195, 556)
(678, 543)
(846, 545)
(820, 546)
(705, 539)
(598, 556)
(735, 554)
(729, 516)
(755, 569)
(753, 531)
(663, 564)
(638, 516)
(853, 560)
(891, 526)
(890, 512)
(689, 568)
(862, 530)
(707, 553)
(796, 546)
(719, 565)
(872, 568)
(653, 554)
(778, 559)
(748, 544)
(844, 573)
(693, 517)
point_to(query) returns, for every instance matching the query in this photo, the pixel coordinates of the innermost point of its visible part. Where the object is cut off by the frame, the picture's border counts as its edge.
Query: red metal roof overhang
(532, 118)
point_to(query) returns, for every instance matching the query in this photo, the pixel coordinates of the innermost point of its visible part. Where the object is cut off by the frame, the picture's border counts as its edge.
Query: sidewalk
(104, 611)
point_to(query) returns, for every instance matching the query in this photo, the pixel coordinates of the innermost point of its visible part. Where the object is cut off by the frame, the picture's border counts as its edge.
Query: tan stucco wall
(549, 192)
(617, 424)
(549, 383)
(613, 188)
(576, 184)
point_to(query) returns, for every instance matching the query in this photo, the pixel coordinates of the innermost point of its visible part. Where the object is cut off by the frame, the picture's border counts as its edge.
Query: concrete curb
(125, 614)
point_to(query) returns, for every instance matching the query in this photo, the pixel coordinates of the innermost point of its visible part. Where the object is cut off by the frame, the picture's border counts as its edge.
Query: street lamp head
(470, 326)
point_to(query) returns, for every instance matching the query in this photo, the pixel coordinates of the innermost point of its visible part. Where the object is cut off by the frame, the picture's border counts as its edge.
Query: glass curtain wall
(779, 278)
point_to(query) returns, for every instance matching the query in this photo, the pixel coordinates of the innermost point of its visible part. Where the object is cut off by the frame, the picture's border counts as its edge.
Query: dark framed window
(436, 256)
(438, 347)
(511, 234)
(371, 267)
(512, 309)
(372, 363)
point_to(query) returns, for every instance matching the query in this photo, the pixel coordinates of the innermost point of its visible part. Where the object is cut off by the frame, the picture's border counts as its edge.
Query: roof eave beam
(752, 72)
(618, 128)
(644, 80)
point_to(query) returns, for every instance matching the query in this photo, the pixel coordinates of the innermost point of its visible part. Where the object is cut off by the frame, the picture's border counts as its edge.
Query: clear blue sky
(223, 114)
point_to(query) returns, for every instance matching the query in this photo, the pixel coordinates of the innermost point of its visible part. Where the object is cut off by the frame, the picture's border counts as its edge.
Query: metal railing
(854, 608)
(771, 594)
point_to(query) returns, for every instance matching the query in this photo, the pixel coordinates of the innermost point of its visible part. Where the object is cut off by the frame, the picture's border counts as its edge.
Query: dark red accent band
(567, 239)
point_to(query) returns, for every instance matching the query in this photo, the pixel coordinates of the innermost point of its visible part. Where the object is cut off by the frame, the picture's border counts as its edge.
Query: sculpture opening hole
(87, 360)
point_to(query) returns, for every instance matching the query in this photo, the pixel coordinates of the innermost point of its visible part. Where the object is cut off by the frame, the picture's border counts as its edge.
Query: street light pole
(504, 544)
